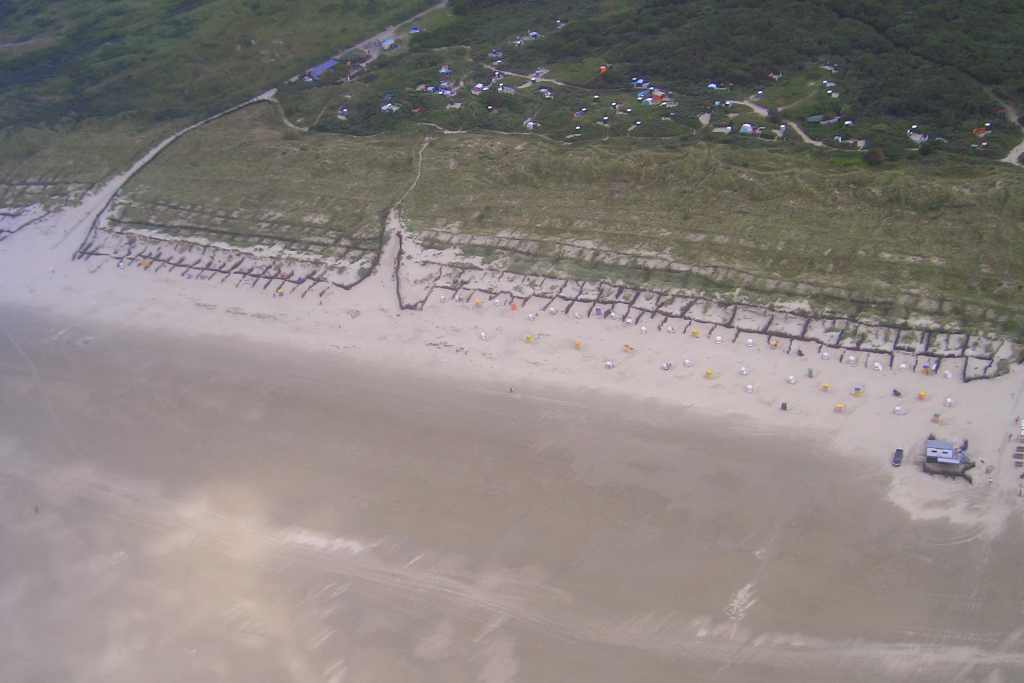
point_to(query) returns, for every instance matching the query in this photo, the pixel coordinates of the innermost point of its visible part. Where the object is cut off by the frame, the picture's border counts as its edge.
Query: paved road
(373, 44)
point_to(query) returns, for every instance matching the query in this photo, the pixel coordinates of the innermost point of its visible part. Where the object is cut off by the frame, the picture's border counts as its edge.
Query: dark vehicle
(897, 458)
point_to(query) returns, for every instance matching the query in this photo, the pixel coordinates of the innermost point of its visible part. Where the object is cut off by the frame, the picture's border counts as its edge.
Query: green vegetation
(87, 86)
(903, 62)
(396, 79)
(167, 59)
(934, 238)
(246, 179)
(57, 165)
(606, 188)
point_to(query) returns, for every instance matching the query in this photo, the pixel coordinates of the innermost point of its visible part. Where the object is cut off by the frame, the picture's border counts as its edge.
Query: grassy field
(87, 86)
(168, 58)
(246, 179)
(935, 236)
(928, 237)
(434, 21)
(57, 165)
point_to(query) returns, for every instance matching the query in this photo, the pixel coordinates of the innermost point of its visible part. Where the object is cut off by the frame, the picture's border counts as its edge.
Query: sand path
(1014, 156)
(94, 204)
(758, 109)
(804, 136)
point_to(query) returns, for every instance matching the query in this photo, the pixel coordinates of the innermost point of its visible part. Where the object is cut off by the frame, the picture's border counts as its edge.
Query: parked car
(897, 458)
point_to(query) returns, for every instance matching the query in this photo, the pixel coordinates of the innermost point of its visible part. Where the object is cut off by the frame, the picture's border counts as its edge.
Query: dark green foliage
(896, 68)
(490, 24)
(982, 39)
(902, 59)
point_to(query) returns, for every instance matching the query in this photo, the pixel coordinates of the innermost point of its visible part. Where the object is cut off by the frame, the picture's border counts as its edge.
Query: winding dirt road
(803, 136)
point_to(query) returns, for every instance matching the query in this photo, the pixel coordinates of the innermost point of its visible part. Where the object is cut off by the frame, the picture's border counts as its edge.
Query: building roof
(941, 445)
(320, 69)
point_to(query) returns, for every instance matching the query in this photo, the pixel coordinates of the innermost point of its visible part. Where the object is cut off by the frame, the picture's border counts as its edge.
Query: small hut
(942, 457)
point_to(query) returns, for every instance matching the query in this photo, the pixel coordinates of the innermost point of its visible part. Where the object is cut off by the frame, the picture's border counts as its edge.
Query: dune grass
(911, 238)
(246, 179)
(936, 236)
(44, 165)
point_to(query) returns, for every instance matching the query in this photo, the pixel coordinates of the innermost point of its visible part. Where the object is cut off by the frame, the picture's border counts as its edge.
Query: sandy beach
(245, 485)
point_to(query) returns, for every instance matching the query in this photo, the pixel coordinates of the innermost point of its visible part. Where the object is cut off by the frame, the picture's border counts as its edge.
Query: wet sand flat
(213, 509)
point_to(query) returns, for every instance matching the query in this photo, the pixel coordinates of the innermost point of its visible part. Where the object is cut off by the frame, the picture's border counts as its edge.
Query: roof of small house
(320, 69)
